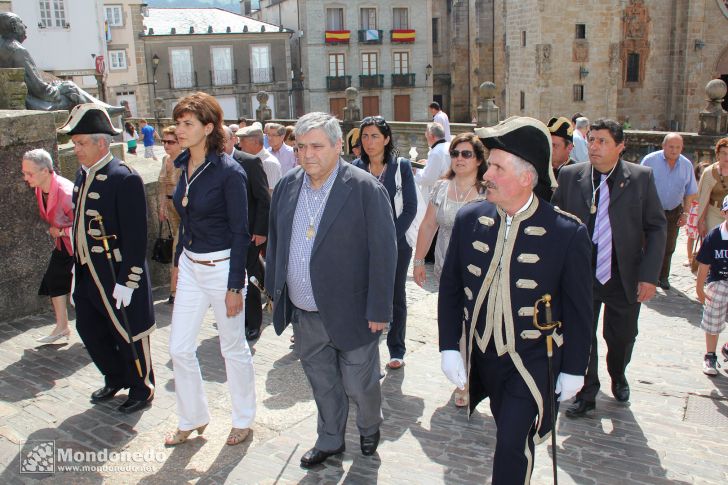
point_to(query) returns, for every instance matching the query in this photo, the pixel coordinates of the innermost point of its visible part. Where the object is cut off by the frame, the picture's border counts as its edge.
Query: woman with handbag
(212, 202)
(168, 179)
(379, 157)
(713, 187)
(460, 185)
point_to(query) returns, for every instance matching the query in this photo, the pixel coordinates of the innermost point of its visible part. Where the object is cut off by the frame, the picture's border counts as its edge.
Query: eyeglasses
(169, 142)
(464, 153)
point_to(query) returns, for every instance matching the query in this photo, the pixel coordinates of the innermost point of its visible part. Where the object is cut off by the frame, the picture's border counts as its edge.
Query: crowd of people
(516, 215)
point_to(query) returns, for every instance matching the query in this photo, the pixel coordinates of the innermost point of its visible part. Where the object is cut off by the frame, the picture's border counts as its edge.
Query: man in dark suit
(505, 254)
(330, 267)
(618, 202)
(258, 207)
(105, 187)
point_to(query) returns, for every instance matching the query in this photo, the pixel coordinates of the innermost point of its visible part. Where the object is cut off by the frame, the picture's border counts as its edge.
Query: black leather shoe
(620, 390)
(133, 405)
(580, 407)
(369, 444)
(664, 284)
(104, 394)
(252, 333)
(314, 456)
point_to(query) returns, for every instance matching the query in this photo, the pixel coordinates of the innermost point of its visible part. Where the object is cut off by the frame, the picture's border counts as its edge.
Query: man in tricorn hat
(562, 142)
(106, 188)
(505, 254)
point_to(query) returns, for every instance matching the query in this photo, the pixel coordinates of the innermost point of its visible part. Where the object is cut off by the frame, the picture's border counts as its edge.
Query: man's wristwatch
(235, 290)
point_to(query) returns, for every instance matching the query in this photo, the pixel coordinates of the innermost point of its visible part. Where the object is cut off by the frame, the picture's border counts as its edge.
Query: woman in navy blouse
(213, 241)
(379, 157)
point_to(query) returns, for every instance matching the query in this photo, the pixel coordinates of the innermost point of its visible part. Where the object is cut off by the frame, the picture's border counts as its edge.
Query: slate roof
(161, 21)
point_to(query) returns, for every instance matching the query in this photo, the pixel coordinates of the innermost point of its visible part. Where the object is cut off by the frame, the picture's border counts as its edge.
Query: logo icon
(38, 456)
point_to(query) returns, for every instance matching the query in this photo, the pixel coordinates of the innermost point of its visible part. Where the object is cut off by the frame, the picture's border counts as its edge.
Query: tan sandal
(179, 436)
(461, 398)
(237, 436)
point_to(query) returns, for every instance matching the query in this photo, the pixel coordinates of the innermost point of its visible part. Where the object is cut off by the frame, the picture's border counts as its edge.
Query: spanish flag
(334, 36)
(403, 36)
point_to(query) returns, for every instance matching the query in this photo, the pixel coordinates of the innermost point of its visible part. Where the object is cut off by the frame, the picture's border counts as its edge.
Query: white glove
(568, 385)
(122, 295)
(453, 368)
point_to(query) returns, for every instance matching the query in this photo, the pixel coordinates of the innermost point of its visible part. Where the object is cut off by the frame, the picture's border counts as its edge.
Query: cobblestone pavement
(670, 432)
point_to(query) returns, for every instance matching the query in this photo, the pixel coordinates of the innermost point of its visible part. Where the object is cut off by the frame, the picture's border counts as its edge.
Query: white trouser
(198, 287)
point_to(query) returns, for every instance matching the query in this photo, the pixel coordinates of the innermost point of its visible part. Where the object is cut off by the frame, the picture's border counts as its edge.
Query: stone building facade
(646, 60)
(221, 53)
(381, 47)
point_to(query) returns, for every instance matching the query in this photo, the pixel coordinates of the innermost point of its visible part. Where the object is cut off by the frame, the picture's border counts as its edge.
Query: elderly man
(111, 296)
(283, 152)
(618, 203)
(505, 255)
(251, 142)
(438, 160)
(677, 188)
(258, 207)
(580, 153)
(561, 143)
(330, 267)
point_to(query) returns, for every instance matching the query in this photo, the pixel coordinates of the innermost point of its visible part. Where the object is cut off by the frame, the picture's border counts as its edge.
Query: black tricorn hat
(88, 119)
(527, 138)
(561, 127)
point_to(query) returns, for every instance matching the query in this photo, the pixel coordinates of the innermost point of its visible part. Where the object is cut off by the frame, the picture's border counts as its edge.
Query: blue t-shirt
(148, 134)
(714, 252)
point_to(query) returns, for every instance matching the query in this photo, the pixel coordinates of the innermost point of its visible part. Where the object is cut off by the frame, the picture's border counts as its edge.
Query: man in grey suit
(618, 202)
(330, 268)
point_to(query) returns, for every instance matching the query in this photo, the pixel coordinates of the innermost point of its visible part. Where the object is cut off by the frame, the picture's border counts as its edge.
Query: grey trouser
(335, 374)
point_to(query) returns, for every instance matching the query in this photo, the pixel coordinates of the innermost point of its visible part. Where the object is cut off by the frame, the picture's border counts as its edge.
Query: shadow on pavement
(94, 430)
(286, 383)
(40, 368)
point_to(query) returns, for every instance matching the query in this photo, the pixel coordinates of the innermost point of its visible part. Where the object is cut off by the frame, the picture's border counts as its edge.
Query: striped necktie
(602, 236)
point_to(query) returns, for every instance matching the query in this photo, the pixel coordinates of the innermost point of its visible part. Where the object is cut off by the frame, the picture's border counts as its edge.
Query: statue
(42, 95)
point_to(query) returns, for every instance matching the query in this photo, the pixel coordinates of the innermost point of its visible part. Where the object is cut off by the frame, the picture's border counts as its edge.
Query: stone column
(488, 112)
(714, 119)
(25, 243)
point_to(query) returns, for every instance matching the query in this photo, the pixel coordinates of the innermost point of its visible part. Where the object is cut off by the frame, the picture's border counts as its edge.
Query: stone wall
(698, 148)
(25, 244)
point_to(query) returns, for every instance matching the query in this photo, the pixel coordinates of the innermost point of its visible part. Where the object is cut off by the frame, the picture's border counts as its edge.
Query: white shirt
(438, 163)
(580, 153)
(509, 219)
(441, 117)
(271, 167)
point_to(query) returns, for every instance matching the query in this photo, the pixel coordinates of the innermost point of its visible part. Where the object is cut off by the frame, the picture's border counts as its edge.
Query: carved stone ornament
(723, 5)
(635, 39)
(580, 50)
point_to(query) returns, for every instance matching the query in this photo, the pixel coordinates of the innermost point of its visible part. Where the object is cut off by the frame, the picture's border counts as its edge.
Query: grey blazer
(353, 259)
(637, 219)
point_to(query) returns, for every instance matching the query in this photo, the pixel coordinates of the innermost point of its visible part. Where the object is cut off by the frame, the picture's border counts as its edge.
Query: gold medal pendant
(592, 209)
(310, 232)
(185, 201)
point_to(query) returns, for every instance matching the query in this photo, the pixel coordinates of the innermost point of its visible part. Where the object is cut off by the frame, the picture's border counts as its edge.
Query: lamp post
(428, 71)
(155, 65)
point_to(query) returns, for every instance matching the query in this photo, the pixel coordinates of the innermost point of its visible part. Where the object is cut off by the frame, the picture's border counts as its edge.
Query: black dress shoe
(580, 407)
(104, 394)
(252, 333)
(314, 456)
(620, 390)
(369, 444)
(664, 284)
(134, 405)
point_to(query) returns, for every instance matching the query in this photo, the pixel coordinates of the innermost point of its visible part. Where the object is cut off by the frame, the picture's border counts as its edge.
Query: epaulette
(567, 214)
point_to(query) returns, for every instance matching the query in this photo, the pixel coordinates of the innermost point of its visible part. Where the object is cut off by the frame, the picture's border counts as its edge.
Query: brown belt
(207, 263)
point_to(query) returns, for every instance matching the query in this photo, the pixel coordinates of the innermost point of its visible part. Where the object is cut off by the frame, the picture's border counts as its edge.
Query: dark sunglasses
(464, 153)
(377, 120)
(169, 142)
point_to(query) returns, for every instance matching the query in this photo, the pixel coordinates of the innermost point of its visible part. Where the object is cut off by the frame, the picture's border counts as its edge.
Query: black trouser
(253, 301)
(620, 333)
(673, 217)
(514, 410)
(398, 327)
(108, 349)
